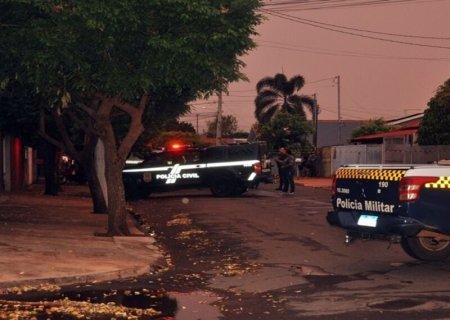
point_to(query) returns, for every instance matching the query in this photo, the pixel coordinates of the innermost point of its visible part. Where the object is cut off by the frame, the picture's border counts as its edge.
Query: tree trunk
(2, 181)
(117, 223)
(99, 163)
(98, 199)
(50, 169)
(116, 154)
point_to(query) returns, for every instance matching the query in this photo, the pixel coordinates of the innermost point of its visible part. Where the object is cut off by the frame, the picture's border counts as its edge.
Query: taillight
(257, 168)
(410, 187)
(333, 186)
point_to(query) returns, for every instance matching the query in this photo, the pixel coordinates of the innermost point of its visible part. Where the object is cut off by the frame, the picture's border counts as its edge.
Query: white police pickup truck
(227, 170)
(406, 204)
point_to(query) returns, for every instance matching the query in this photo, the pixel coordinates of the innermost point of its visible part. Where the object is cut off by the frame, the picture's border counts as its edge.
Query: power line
(353, 54)
(377, 32)
(333, 4)
(316, 25)
(316, 81)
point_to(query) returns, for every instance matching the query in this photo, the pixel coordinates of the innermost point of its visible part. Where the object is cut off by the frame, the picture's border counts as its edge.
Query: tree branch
(129, 108)
(43, 133)
(86, 109)
(69, 146)
(84, 125)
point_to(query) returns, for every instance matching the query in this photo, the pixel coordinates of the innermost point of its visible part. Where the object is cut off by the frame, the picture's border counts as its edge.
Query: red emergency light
(176, 146)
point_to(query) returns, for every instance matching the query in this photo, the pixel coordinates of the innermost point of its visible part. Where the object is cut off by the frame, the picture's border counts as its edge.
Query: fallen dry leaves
(14, 310)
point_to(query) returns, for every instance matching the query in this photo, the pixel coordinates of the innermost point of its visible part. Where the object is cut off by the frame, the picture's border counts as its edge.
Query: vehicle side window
(182, 157)
(217, 154)
(176, 158)
(192, 157)
(242, 152)
(155, 160)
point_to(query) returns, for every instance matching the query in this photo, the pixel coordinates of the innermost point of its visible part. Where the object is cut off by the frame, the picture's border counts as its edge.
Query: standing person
(312, 164)
(279, 158)
(288, 168)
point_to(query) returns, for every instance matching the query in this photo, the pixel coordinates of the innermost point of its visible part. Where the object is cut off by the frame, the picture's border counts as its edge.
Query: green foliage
(172, 50)
(229, 126)
(175, 125)
(240, 135)
(127, 48)
(370, 127)
(435, 126)
(287, 130)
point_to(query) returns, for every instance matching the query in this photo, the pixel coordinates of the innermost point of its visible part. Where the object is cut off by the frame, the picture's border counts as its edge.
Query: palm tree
(278, 94)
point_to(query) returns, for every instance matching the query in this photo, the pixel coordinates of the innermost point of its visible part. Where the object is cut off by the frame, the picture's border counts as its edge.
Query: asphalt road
(266, 255)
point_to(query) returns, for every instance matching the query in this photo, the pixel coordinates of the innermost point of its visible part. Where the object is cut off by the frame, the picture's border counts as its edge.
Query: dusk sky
(387, 79)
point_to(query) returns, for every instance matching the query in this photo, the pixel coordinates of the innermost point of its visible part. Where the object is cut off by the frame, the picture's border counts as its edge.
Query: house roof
(405, 120)
(340, 121)
(413, 124)
(394, 133)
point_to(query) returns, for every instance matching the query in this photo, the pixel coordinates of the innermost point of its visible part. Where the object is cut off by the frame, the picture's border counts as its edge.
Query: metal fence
(389, 153)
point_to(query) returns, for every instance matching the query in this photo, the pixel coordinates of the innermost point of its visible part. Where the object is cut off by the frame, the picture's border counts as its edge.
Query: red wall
(17, 164)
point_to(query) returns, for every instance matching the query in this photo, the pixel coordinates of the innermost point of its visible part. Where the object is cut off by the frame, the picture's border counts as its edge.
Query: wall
(407, 154)
(395, 152)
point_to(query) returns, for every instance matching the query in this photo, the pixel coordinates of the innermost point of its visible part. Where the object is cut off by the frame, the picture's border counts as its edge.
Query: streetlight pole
(197, 122)
(315, 120)
(219, 120)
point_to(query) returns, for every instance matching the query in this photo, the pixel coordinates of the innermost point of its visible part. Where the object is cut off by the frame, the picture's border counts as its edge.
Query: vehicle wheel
(223, 187)
(62, 179)
(427, 249)
(240, 189)
(133, 193)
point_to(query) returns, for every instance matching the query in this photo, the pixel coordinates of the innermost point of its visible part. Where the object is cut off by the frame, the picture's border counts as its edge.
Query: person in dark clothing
(279, 160)
(312, 164)
(288, 168)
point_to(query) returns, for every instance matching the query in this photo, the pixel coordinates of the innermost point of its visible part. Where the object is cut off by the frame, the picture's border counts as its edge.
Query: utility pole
(315, 120)
(338, 81)
(197, 123)
(219, 120)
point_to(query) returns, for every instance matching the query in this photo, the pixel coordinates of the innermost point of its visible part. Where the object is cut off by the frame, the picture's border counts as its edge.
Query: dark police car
(409, 204)
(227, 170)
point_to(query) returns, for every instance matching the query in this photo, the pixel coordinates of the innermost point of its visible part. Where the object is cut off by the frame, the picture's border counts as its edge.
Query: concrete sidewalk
(314, 182)
(52, 239)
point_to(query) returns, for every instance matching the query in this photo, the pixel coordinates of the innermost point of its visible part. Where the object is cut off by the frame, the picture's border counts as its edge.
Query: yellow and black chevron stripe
(370, 174)
(442, 183)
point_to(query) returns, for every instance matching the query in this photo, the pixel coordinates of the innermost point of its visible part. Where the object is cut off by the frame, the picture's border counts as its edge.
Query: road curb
(137, 244)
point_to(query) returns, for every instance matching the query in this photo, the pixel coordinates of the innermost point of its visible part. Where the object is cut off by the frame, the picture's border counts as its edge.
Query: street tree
(286, 130)
(229, 126)
(278, 94)
(370, 127)
(108, 59)
(175, 125)
(161, 116)
(435, 126)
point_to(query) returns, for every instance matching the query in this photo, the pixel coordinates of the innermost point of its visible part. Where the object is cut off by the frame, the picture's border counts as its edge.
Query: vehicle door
(184, 168)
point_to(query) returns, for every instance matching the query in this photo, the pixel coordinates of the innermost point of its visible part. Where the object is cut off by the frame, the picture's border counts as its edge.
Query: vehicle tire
(240, 189)
(134, 193)
(223, 186)
(426, 249)
(62, 179)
